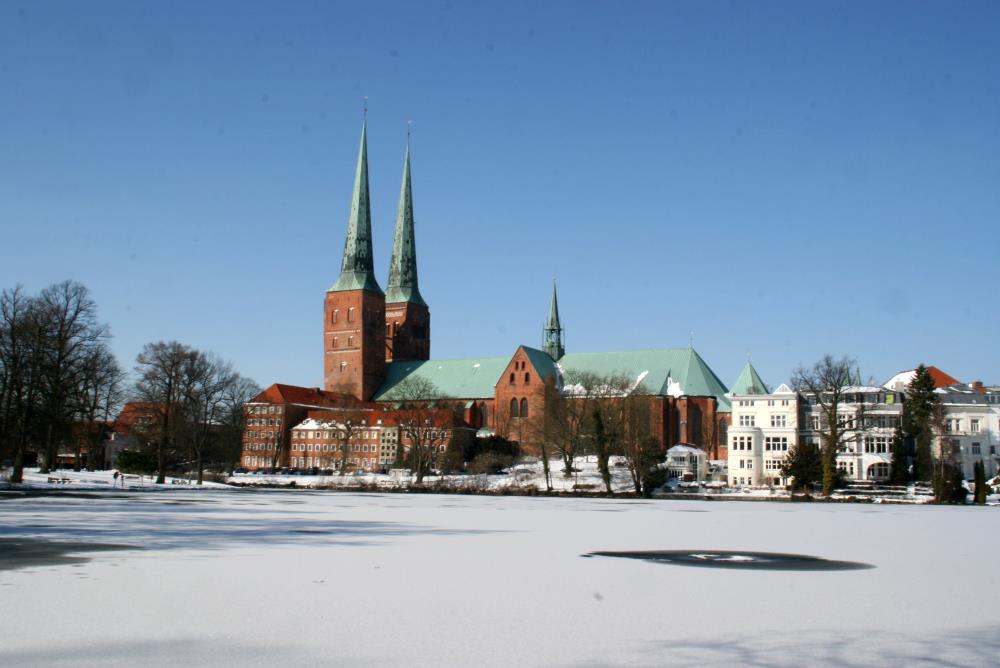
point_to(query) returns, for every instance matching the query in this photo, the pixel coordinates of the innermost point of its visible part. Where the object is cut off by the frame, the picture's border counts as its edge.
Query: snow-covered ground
(100, 480)
(274, 577)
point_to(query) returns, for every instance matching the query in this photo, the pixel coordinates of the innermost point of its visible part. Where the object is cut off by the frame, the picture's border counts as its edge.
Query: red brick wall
(408, 332)
(354, 347)
(520, 380)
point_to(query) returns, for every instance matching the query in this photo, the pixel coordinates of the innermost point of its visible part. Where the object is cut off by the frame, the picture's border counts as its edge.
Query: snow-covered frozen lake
(266, 577)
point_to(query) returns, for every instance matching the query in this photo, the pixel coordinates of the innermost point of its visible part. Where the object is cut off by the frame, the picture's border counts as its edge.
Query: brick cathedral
(375, 340)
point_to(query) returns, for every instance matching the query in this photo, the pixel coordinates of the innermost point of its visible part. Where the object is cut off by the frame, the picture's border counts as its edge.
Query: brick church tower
(407, 317)
(354, 311)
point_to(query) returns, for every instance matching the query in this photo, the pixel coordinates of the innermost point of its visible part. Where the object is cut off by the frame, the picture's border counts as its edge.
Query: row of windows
(776, 443)
(263, 410)
(876, 444)
(335, 316)
(777, 420)
(261, 422)
(374, 435)
(955, 425)
(527, 377)
(771, 443)
(355, 447)
(770, 402)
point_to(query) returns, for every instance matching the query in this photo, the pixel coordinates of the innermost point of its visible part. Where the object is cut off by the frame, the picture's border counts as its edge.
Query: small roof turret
(749, 382)
(553, 344)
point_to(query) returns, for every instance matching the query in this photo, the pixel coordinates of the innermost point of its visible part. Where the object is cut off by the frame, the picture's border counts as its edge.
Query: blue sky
(783, 179)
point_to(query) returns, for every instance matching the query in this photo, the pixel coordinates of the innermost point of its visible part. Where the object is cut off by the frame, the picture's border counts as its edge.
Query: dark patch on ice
(763, 561)
(27, 552)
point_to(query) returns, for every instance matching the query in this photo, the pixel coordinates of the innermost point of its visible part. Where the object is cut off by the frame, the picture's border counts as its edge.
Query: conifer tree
(980, 479)
(804, 465)
(918, 409)
(898, 473)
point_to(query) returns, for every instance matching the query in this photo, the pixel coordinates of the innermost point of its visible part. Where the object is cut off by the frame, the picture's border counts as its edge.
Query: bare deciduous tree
(421, 409)
(828, 384)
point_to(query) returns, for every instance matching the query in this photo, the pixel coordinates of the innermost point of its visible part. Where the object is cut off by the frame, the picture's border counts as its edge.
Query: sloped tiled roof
(674, 372)
(469, 378)
(671, 371)
(749, 382)
(903, 378)
(542, 362)
(293, 394)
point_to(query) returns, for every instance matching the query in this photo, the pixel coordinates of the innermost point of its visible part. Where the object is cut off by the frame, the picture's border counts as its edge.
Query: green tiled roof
(541, 361)
(749, 382)
(673, 371)
(470, 378)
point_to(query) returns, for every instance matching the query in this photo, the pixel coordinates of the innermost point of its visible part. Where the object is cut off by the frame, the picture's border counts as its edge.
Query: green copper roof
(543, 363)
(356, 270)
(749, 382)
(403, 265)
(674, 371)
(553, 345)
(470, 378)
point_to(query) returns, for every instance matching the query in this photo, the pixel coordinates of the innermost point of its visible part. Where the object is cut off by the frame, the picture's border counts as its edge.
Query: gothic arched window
(524, 408)
(513, 407)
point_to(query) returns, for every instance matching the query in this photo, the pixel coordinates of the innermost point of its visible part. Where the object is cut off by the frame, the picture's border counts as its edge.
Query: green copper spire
(357, 271)
(403, 265)
(553, 329)
(749, 382)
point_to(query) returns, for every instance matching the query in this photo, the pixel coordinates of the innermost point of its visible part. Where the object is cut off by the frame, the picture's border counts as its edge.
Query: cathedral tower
(354, 311)
(407, 318)
(553, 344)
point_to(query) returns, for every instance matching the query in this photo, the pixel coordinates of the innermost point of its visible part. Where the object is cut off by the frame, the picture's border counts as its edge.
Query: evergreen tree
(918, 409)
(948, 483)
(804, 465)
(898, 473)
(980, 479)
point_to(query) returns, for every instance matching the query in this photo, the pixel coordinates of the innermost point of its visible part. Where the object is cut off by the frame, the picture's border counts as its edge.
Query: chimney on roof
(977, 385)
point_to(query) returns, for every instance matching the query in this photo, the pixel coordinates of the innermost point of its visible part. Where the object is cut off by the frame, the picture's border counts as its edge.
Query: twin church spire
(357, 271)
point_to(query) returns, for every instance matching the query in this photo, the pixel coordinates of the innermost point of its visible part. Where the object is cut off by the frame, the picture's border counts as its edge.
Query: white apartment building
(764, 427)
(871, 416)
(972, 416)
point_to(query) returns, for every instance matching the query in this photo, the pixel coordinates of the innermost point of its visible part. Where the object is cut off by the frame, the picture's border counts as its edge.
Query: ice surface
(283, 577)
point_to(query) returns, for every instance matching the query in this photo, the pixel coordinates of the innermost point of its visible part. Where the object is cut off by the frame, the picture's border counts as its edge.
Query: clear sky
(783, 179)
